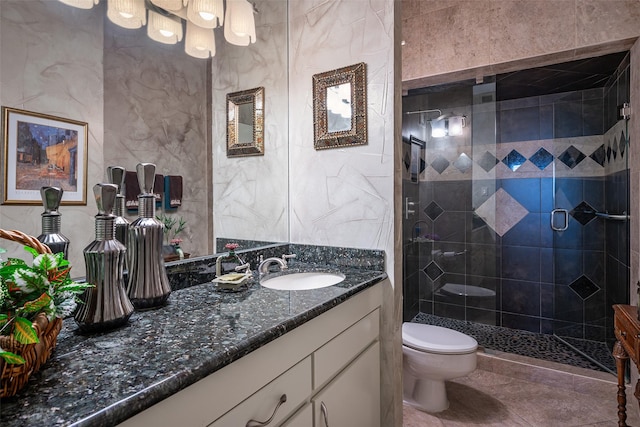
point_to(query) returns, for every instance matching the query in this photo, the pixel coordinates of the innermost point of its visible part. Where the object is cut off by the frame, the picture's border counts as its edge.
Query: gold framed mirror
(340, 107)
(245, 123)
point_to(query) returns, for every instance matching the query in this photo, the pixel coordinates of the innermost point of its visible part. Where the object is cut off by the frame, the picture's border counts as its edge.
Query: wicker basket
(14, 377)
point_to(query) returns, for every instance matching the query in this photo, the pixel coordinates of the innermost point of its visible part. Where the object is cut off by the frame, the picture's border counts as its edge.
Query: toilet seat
(436, 339)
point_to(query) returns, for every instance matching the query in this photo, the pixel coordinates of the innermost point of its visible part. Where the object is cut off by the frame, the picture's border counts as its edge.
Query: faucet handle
(285, 257)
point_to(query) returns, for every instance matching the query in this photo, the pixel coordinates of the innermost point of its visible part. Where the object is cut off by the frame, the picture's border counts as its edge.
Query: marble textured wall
(156, 110)
(486, 37)
(51, 63)
(345, 197)
(251, 193)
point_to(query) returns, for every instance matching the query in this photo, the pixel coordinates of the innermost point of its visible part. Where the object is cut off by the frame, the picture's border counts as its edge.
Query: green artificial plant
(172, 227)
(25, 291)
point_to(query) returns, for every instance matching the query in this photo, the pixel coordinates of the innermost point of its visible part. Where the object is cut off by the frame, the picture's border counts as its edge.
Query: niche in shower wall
(479, 246)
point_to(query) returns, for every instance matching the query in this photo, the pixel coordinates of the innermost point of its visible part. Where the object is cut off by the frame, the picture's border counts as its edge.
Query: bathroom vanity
(221, 358)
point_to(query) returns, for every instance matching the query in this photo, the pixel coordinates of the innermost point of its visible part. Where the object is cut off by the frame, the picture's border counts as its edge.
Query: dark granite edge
(144, 399)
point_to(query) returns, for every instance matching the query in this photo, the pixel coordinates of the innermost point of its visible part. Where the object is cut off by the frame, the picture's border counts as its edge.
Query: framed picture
(245, 123)
(42, 150)
(340, 107)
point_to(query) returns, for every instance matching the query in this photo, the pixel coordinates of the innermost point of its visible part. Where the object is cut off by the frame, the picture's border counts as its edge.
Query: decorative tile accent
(440, 164)
(583, 213)
(614, 147)
(433, 271)
(599, 156)
(463, 163)
(608, 151)
(542, 158)
(501, 212)
(477, 222)
(584, 287)
(433, 211)
(407, 161)
(514, 160)
(571, 157)
(488, 161)
(623, 144)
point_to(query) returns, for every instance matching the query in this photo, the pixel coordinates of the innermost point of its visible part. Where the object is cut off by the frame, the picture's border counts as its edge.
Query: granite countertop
(103, 379)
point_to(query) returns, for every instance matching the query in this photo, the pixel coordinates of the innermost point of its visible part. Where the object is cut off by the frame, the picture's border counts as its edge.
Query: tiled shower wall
(482, 210)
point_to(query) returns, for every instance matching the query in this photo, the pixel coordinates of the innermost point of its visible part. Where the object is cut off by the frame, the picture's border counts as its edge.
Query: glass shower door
(590, 239)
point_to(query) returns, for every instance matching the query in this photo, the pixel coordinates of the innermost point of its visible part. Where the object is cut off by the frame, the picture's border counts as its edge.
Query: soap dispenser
(51, 236)
(148, 285)
(115, 175)
(106, 305)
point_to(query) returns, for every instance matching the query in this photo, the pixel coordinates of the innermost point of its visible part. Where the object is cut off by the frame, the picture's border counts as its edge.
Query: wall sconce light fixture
(449, 124)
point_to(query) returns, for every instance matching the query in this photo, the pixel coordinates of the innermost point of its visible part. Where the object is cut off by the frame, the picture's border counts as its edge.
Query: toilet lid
(436, 339)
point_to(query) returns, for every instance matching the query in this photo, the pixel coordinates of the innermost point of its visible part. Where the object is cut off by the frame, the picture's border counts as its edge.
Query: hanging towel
(172, 191)
(131, 190)
(158, 189)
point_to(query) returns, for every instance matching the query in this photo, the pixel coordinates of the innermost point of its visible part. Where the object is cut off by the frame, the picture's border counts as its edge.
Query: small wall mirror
(340, 107)
(245, 123)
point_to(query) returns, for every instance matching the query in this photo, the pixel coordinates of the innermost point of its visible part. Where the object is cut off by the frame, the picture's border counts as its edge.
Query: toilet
(432, 355)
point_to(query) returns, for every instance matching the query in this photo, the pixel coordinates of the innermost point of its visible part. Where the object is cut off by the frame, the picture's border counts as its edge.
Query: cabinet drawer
(337, 353)
(627, 334)
(295, 383)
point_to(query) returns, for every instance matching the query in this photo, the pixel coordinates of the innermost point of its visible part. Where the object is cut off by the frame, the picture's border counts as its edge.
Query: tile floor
(513, 390)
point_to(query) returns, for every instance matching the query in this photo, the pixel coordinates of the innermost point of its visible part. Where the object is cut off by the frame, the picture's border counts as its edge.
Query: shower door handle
(565, 219)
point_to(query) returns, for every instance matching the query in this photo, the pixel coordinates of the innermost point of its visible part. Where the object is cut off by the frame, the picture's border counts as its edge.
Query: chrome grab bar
(566, 219)
(620, 217)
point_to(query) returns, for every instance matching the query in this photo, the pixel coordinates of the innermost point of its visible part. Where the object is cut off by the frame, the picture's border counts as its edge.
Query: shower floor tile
(524, 343)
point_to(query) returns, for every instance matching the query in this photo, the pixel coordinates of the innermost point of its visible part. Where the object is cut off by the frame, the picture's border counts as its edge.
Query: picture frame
(340, 107)
(245, 123)
(43, 150)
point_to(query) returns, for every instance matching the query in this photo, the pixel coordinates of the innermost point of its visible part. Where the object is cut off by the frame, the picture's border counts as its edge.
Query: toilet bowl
(432, 355)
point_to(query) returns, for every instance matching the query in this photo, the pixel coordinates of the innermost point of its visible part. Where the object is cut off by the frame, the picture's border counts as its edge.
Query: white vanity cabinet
(302, 418)
(332, 359)
(353, 398)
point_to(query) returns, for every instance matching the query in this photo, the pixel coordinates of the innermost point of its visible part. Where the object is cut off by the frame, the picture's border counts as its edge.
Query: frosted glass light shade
(164, 29)
(199, 42)
(456, 124)
(172, 5)
(438, 129)
(80, 4)
(127, 13)
(240, 28)
(206, 13)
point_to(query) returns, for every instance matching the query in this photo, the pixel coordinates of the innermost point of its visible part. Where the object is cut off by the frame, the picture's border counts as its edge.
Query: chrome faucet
(263, 268)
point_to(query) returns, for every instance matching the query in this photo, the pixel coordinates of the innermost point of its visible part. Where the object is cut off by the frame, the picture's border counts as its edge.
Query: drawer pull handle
(623, 333)
(254, 423)
(325, 413)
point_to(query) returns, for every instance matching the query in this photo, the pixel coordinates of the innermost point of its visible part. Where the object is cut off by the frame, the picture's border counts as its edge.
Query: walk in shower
(516, 194)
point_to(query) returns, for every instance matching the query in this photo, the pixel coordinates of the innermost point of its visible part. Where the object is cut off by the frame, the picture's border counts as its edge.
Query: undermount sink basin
(302, 281)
